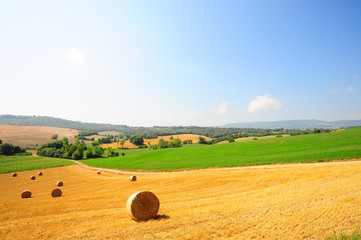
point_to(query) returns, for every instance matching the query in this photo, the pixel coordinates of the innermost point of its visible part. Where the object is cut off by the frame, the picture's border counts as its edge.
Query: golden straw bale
(40, 173)
(15, 175)
(133, 178)
(98, 172)
(32, 177)
(143, 205)
(60, 183)
(26, 194)
(56, 192)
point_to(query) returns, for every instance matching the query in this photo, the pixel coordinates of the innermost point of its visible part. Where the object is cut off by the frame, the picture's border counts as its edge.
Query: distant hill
(146, 132)
(296, 124)
(260, 128)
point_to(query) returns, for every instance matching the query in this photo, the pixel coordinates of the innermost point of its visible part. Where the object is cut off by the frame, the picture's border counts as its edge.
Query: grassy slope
(22, 163)
(344, 144)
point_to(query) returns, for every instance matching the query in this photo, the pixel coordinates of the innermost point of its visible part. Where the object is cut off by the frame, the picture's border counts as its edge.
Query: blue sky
(145, 63)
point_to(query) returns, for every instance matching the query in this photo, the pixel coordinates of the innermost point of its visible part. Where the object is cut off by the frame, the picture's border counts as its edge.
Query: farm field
(127, 144)
(29, 136)
(22, 163)
(338, 145)
(299, 201)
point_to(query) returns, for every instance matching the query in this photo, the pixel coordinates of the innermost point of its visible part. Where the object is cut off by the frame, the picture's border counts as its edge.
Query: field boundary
(266, 166)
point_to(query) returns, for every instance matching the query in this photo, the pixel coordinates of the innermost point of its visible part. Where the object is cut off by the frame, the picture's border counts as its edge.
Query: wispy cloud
(222, 108)
(264, 103)
(350, 88)
(75, 56)
(355, 75)
(333, 91)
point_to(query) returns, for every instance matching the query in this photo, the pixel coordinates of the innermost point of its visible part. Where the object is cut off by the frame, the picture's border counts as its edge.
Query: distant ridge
(296, 124)
(153, 132)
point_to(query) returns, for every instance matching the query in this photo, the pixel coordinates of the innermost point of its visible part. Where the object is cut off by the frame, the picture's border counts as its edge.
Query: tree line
(9, 149)
(76, 151)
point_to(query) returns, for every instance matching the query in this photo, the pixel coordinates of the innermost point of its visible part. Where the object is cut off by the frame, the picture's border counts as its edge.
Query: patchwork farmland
(281, 201)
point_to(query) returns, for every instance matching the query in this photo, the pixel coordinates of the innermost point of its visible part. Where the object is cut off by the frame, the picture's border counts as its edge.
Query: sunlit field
(302, 201)
(338, 145)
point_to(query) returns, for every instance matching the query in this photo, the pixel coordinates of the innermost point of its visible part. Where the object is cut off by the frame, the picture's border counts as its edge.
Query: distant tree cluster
(86, 132)
(230, 138)
(175, 143)
(9, 149)
(62, 149)
(189, 141)
(137, 140)
(308, 131)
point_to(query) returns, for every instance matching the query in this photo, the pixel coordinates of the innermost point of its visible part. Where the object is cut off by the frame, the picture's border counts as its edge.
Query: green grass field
(344, 144)
(18, 163)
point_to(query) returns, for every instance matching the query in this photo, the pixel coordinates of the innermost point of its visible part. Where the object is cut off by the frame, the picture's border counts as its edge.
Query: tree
(317, 130)
(77, 155)
(137, 140)
(231, 139)
(55, 136)
(6, 149)
(202, 140)
(1, 141)
(122, 142)
(65, 141)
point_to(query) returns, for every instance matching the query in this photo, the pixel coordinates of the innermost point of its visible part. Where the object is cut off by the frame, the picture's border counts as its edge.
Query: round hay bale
(133, 178)
(98, 172)
(60, 183)
(15, 175)
(56, 192)
(32, 177)
(40, 173)
(26, 194)
(143, 205)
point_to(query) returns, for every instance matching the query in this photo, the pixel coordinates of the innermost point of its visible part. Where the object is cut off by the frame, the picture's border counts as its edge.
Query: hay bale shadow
(156, 218)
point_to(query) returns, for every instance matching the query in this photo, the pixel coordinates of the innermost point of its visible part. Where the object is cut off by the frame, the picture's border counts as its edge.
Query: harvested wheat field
(291, 201)
(29, 136)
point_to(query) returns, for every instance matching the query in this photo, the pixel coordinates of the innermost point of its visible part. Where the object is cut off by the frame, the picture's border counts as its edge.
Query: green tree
(137, 140)
(122, 143)
(231, 139)
(202, 140)
(89, 153)
(65, 141)
(1, 141)
(55, 136)
(96, 143)
(77, 155)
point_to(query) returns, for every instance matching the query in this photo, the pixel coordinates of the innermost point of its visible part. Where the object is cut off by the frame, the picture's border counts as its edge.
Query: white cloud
(263, 103)
(333, 91)
(350, 88)
(355, 75)
(222, 108)
(75, 56)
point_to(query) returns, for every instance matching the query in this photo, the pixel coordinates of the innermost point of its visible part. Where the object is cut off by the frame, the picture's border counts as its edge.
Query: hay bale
(26, 194)
(15, 175)
(98, 172)
(133, 178)
(40, 173)
(143, 205)
(56, 192)
(60, 183)
(32, 177)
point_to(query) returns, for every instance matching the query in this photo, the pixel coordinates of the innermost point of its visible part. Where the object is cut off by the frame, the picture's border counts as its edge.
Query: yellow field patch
(193, 137)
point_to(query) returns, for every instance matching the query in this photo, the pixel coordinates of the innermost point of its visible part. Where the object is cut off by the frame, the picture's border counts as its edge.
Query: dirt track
(301, 201)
